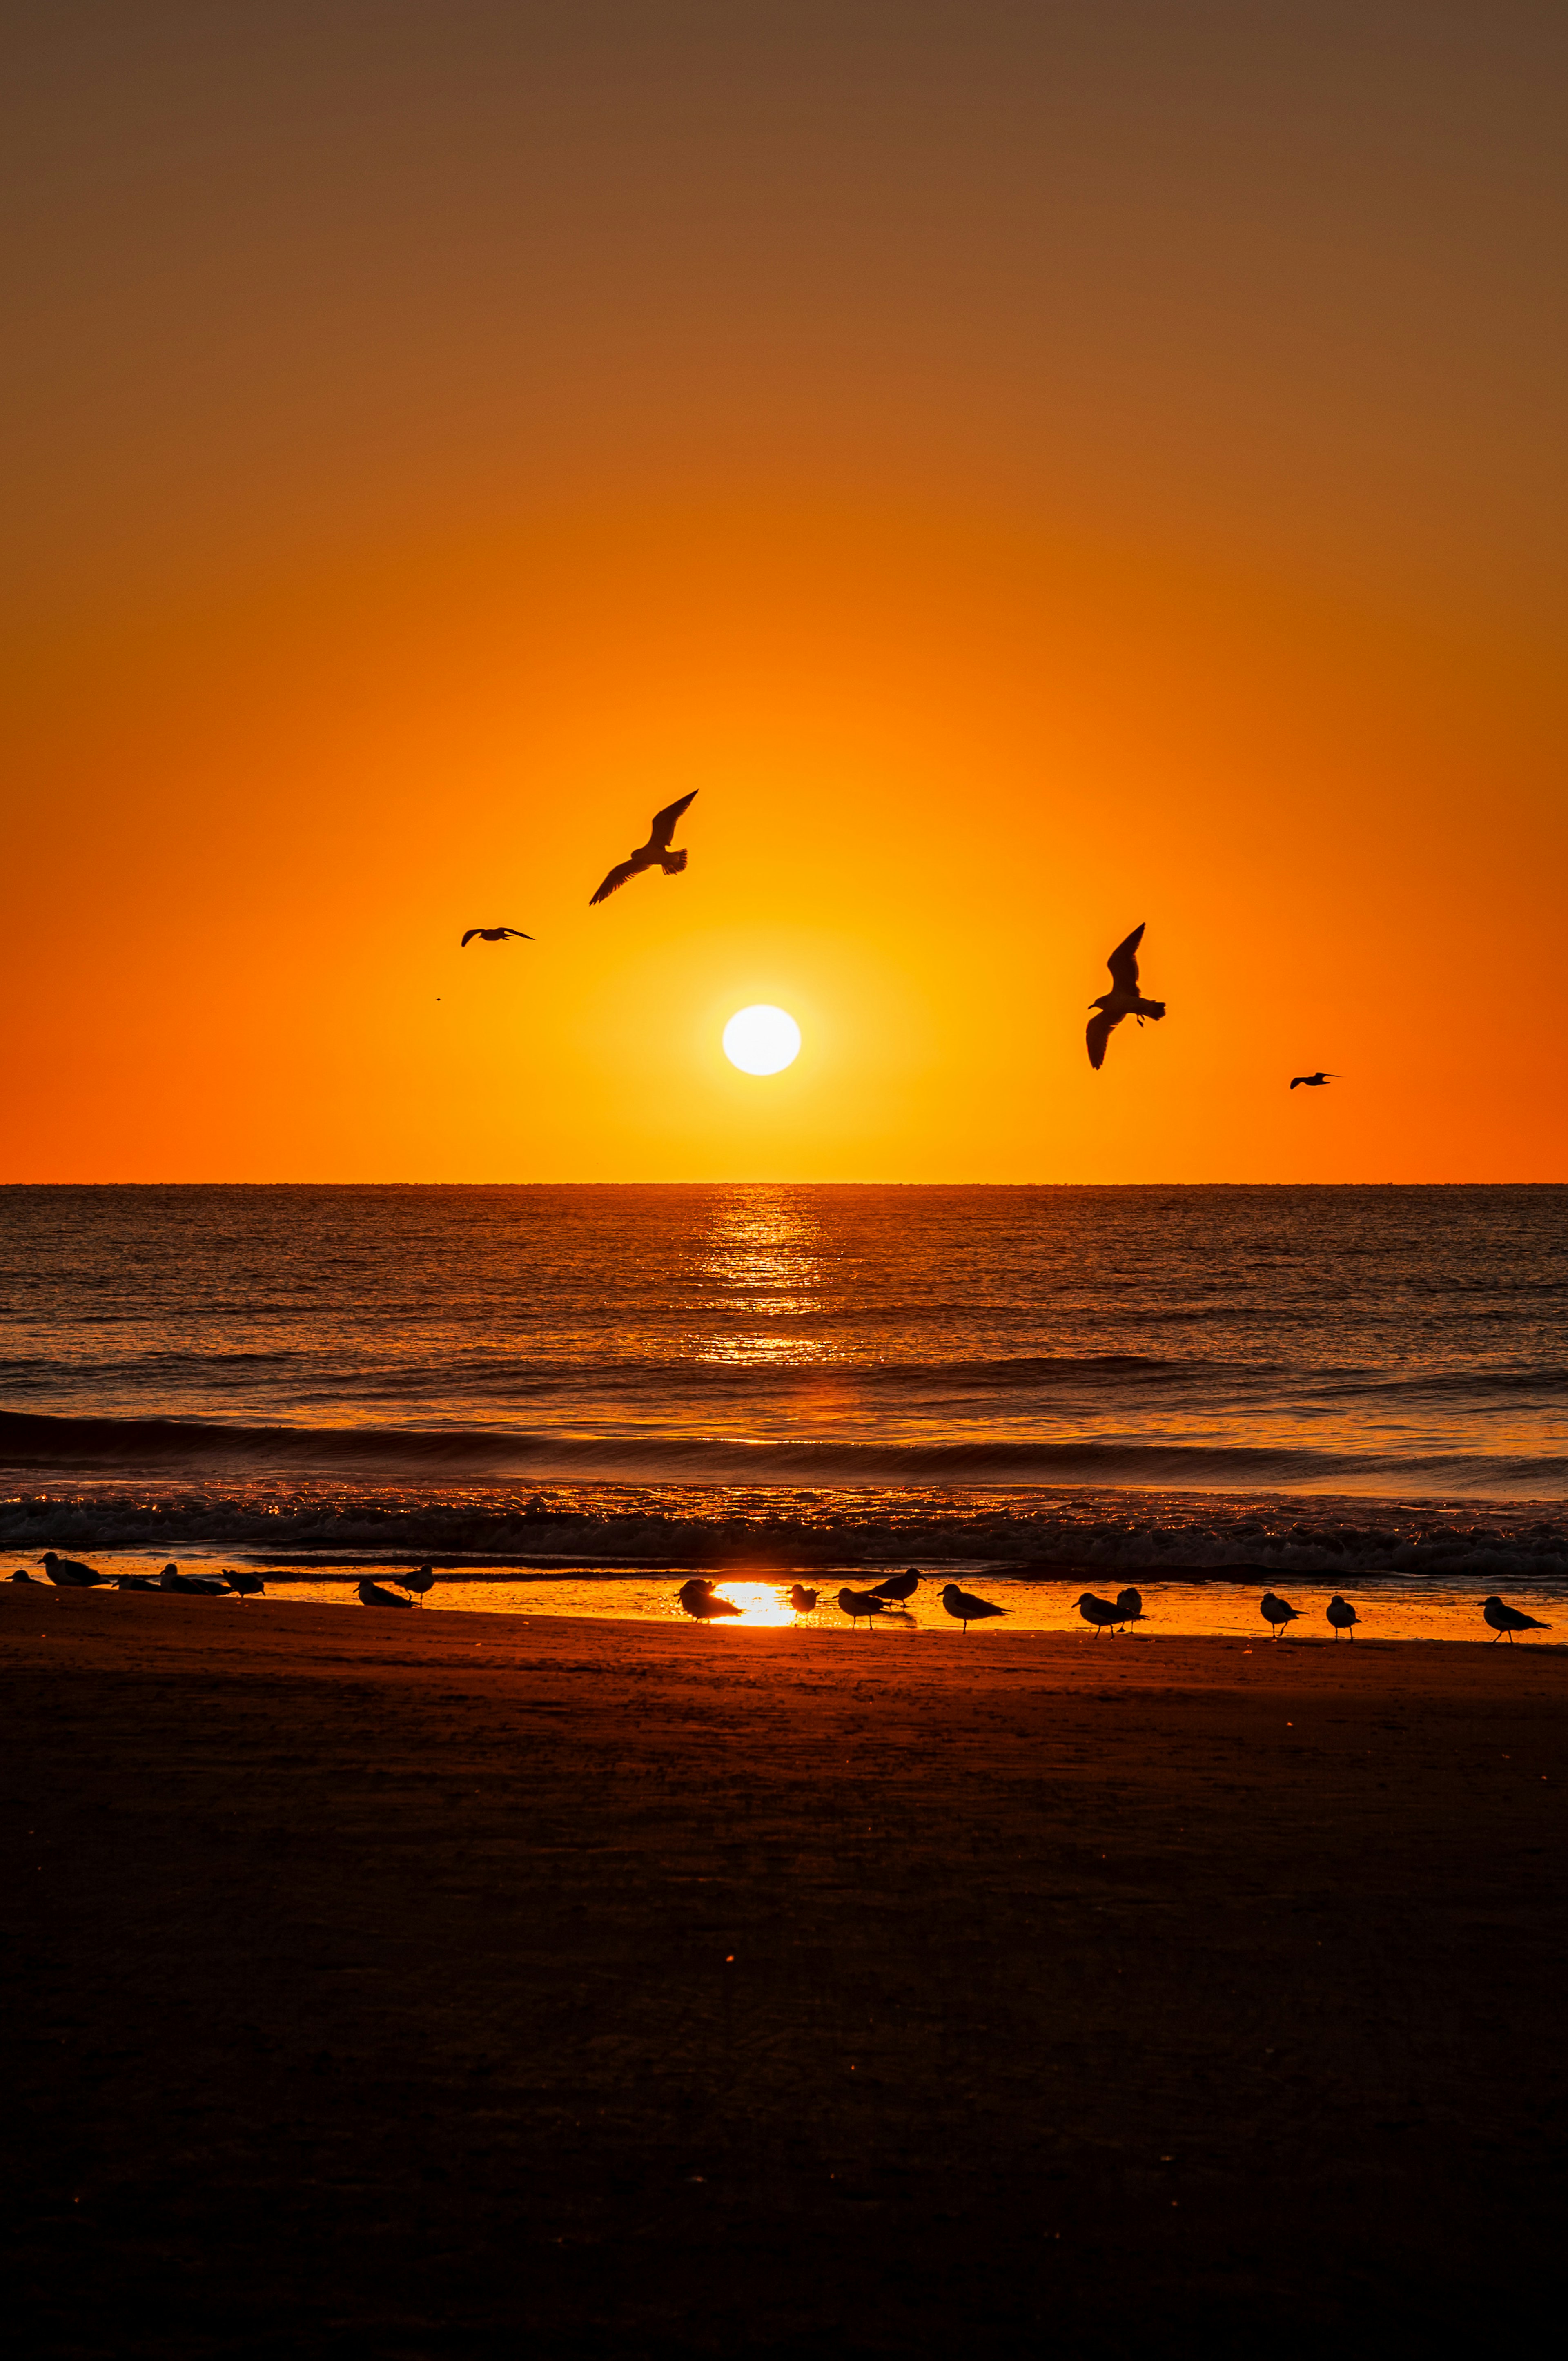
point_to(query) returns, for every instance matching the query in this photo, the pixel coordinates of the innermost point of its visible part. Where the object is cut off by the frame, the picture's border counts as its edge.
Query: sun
(761, 1040)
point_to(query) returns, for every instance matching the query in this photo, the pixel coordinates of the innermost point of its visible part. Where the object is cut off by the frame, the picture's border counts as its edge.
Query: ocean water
(1367, 1380)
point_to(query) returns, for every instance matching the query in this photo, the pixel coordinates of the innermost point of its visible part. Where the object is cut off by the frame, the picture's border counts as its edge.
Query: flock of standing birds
(701, 1600)
(1124, 999)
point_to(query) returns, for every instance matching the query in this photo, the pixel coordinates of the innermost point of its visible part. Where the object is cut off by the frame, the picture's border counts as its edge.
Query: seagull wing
(663, 826)
(468, 938)
(614, 882)
(1097, 1033)
(518, 932)
(1124, 962)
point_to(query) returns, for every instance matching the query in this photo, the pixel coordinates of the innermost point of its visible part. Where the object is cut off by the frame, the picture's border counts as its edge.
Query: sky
(1031, 468)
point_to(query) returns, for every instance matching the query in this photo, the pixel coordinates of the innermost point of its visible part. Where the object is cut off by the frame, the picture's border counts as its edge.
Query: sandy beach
(427, 1984)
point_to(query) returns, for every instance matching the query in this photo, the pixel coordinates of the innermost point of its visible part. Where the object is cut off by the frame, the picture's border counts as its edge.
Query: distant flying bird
(420, 1581)
(856, 1603)
(654, 854)
(701, 1601)
(897, 1587)
(371, 1594)
(69, 1573)
(1277, 1611)
(1098, 1611)
(1124, 999)
(803, 1601)
(965, 1607)
(494, 935)
(1508, 1619)
(245, 1581)
(1342, 1615)
(1130, 1605)
(1311, 1081)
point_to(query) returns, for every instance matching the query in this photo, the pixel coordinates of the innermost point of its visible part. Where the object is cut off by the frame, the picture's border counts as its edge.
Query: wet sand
(454, 1984)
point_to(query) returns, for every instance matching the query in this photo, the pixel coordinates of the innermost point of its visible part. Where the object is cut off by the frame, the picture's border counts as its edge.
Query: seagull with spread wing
(654, 854)
(493, 935)
(1124, 999)
(1311, 1081)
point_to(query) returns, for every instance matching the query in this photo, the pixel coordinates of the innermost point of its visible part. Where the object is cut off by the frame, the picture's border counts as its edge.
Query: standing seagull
(1124, 999)
(965, 1607)
(1130, 1605)
(654, 854)
(1312, 1082)
(897, 1587)
(1342, 1615)
(1098, 1611)
(803, 1601)
(1508, 1619)
(493, 935)
(700, 1600)
(1276, 1610)
(856, 1603)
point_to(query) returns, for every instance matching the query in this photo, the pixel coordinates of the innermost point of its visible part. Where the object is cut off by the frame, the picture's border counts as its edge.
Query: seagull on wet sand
(803, 1601)
(193, 1585)
(1124, 999)
(494, 935)
(371, 1594)
(655, 854)
(897, 1587)
(1311, 1081)
(1098, 1611)
(70, 1573)
(1277, 1611)
(965, 1607)
(700, 1600)
(245, 1581)
(1130, 1605)
(137, 1582)
(856, 1603)
(1342, 1615)
(420, 1581)
(1507, 1620)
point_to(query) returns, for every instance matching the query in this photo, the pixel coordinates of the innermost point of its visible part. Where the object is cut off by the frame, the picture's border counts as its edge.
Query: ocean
(1365, 1381)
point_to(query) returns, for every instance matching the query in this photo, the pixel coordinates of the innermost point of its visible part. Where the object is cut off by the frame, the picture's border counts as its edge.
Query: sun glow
(761, 1040)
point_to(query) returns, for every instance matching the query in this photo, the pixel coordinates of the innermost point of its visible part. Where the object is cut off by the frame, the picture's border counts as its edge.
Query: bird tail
(673, 863)
(1155, 1009)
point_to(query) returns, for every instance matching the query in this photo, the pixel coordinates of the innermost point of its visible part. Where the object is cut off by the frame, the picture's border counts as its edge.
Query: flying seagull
(1508, 1619)
(1277, 1611)
(1124, 999)
(965, 1607)
(493, 935)
(1311, 1081)
(654, 854)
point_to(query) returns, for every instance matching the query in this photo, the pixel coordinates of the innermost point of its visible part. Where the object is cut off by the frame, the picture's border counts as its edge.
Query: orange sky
(1031, 469)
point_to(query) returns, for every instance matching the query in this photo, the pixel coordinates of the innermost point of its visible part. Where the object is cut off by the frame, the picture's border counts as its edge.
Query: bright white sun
(761, 1040)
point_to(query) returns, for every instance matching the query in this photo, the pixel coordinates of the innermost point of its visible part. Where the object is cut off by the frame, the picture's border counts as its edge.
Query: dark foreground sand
(426, 1984)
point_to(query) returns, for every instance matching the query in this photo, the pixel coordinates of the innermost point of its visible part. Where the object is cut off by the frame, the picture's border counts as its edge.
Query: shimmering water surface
(1363, 1377)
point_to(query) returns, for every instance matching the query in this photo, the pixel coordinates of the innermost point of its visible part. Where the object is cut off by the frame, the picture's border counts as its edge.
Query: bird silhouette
(372, 1594)
(701, 1601)
(965, 1607)
(803, 1601)
(421, 1581)
(1311, 1081)
(70, 1573)
(22, 1575)
(654, 854)
(1507, 1620)
(1124, 999)
(1342, 1615)
(898, 1586)
(1277, 1611)
(1130, 1605)
(856, 1603)
(1098, 1611)
(249, 1584)
(494, 935)
(193, 1585)
(131, 1582)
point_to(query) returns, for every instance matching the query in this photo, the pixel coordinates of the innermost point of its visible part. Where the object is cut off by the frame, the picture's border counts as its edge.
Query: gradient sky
(1031, 467)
